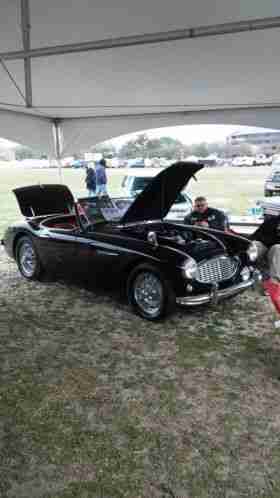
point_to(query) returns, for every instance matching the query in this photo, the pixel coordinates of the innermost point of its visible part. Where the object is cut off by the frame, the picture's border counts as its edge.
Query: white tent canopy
(86, 71)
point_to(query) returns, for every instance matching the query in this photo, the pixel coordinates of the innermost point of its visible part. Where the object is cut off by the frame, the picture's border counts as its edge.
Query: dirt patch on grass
(98, 402)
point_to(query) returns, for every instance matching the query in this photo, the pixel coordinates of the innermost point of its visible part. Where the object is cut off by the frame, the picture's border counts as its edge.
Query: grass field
(233, 188)
(97, 403)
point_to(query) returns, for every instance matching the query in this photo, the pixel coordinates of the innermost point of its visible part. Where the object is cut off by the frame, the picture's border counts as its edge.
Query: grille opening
(217, 269)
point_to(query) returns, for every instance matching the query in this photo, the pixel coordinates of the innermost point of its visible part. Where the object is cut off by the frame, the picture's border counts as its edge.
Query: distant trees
(136, 147)
(200, 150)
(171, 148)
(23, 152)
(143, 146)
(107, 149)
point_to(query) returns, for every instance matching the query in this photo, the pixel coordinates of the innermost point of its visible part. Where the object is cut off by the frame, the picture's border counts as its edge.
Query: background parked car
(272, 183)
(262, 159)
(79, 163)
(243, 161)
(271, 207)
(134, 182)
(136, 163)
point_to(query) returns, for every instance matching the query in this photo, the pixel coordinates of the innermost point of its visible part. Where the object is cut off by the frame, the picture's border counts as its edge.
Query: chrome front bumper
(216, 295)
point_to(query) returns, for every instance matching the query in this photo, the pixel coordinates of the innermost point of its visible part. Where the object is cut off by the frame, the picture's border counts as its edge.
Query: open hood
(154, 202)
(39, 200)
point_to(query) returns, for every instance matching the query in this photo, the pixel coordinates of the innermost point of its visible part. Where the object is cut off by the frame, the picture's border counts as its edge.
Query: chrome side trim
(101, 246)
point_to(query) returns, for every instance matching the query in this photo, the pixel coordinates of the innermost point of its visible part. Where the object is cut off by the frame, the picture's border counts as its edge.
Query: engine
(195, 242)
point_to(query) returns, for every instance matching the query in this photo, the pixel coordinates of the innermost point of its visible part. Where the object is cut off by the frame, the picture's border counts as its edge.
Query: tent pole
(25, 27)
(57, 145)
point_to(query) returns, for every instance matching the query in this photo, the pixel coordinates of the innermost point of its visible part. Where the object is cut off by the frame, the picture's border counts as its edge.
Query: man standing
(90, 181)
(205, 216)
(101, 178)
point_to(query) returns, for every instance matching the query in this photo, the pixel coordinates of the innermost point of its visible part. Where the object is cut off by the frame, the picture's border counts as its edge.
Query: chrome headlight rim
(190, 269)
(252, 252)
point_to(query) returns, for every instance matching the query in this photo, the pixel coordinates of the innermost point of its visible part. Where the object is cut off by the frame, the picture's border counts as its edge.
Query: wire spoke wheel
(148, 293)
(27, 259)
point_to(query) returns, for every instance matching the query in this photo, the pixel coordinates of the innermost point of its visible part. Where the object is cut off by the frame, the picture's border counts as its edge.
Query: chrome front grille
(216, 269)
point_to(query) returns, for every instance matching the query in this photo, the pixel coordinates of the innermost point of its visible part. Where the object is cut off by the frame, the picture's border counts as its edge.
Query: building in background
(267, 142)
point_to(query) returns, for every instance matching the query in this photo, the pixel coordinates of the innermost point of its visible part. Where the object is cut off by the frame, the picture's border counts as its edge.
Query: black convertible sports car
(159, 263)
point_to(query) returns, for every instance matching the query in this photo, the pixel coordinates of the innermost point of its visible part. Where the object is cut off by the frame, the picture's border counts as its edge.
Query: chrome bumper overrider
(216, 295)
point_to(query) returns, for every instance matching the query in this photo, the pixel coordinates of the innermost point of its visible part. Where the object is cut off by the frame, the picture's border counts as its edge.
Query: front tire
(149, 293)
(27, 259)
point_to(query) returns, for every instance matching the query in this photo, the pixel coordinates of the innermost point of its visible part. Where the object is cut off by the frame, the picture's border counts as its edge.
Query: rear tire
(267, 193)
(28, 260)
(149, 293)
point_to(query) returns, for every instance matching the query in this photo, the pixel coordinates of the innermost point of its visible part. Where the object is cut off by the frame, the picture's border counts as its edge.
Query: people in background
(101, 178)
(205, 216)
(90, 181)
(267, 239)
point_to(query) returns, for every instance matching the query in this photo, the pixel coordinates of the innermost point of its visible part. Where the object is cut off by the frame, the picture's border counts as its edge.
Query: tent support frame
(25, 27)
(57, 135)
(146, 38)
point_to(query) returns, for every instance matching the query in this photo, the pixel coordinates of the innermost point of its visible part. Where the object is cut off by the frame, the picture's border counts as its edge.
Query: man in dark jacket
(267, 239)
(90, 181)
(205, 216)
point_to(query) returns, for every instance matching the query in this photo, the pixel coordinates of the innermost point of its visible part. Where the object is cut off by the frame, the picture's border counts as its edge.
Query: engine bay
(165, 233)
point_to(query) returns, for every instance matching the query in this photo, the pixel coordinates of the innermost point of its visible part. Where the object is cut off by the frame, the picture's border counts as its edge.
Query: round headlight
(190, 269)
(252, 251)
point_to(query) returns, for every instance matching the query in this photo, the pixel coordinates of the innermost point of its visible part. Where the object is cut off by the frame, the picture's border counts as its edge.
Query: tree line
(170, 148)
(145, 147)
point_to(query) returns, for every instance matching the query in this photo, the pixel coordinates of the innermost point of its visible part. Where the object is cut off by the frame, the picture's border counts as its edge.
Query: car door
(57, 248)
(96, 257)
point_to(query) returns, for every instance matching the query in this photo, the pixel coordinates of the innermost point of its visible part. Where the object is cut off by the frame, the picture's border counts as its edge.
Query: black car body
(159, 263)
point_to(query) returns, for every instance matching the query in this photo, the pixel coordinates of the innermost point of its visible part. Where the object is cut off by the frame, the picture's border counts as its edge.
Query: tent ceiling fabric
(134, 87)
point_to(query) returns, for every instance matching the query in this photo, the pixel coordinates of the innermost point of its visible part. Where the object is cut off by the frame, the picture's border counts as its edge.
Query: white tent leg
(57, 135)
(59, 170)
